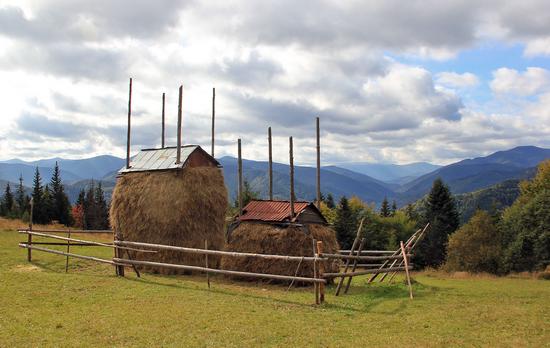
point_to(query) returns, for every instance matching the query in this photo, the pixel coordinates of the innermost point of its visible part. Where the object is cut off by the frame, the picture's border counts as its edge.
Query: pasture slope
(40, 305)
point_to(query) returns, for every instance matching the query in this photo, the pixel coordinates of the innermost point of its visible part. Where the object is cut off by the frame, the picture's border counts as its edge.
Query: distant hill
(478, 173)
(391, 173)
(12, 171)
(339, 183)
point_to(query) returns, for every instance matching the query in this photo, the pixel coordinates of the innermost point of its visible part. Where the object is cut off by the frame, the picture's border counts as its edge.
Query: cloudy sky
(392, 81)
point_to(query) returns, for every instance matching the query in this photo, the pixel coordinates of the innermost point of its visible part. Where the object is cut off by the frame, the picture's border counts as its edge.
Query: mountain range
(371, 182)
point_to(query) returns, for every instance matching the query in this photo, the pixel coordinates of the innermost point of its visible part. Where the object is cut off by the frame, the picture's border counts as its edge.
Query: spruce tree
(47, 204)
(7, 201)
(393, 208)
(37, 193)
(344, 224)
(20, 197)
(442, 215)
(385, 208)
(90, 208)
(60, 202)
(329, 201)
(102, 222)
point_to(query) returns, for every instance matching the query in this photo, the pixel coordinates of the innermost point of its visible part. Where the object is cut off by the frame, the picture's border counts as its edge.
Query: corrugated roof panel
(275, 211)
(160, 159)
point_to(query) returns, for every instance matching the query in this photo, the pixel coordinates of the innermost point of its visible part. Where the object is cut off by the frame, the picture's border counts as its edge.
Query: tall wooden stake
(206, 257)
(291, 155)
(213, 117)
(68, 251)
(270, 169)
(318, 165)
(404, 253)
(129, 125)
(29, 238)
(163, 120)
(321, 272)
(315, 285)
(240, 183)
(353, 248)
(363, 240)
(178, 156)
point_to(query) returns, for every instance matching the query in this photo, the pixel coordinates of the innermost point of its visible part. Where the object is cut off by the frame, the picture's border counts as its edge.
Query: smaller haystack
(160, 201)
(266, 228)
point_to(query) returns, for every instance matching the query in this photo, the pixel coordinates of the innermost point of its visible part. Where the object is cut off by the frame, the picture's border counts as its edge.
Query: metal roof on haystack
(163, 159)
(275, 211)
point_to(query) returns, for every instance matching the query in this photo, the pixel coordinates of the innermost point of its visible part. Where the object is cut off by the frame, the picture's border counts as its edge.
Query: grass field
(41, 305)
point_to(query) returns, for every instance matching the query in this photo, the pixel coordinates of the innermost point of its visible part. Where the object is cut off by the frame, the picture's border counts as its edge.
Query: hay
(181, 208)
(263, 238)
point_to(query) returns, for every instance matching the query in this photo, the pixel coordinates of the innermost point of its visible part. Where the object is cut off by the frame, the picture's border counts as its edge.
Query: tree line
(51, 204)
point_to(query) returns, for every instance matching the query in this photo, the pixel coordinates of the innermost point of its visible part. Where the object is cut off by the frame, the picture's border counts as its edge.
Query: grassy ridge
(40, 305)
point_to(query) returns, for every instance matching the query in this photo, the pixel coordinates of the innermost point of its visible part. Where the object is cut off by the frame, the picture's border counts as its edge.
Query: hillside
(391, 173)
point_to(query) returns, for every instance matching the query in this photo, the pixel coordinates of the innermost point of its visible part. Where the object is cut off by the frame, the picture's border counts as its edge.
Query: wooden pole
(129, 125)
(404, 253)
(409, 246)
(68, 250)
(220, 271)
(29, 237)
(363, 272)
(318, 164)
(363, 240)
(162, 144)
(315, 275)
(178, 155)
(353, 247)
(213, 123)
(91, 258)
(240, 174)
(321, 272)
(206, 262)
(270, 168)
(291, 155)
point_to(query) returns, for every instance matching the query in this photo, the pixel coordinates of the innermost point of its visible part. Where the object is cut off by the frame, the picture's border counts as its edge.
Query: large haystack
(266, 238)
(178, 207)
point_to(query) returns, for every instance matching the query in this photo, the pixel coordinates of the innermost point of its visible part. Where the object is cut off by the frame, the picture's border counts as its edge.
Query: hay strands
(82, 242)
(218, 252)
(219, 271)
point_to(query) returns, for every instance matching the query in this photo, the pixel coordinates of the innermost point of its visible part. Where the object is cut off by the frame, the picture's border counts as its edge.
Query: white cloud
(510, 81)
(538, 47)
(456, 80)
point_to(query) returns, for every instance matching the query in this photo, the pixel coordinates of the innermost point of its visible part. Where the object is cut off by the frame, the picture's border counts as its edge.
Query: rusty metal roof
(273, 211)
(161, 159)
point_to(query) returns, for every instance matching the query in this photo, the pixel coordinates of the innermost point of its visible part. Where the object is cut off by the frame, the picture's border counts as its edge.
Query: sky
(392, 81)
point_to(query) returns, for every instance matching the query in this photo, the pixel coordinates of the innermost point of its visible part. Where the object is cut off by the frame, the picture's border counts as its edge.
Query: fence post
(68, 250)
(321, 272)
(315, 285)
(206, 255)
(119, 270)
(29, 236)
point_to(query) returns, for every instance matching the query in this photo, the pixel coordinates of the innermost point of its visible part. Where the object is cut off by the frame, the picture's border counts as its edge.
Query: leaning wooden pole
(353, 247)
(318, 164)
(404, 253)
(291, 155)
(270, 166)
(178, 155)
(162, 144)
(240, 177)
(129, 125)
(213, 117)
(354, 267)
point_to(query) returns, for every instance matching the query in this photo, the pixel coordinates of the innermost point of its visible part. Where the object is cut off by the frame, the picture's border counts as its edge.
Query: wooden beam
(162, 137)
(270, 166)
(315, 273)
(29, 237)
(363, 272)
(291, 155)
(206, 263)
(361, 246)
(91, 258)
(221, 271)
(353, 247)
(22, 230)
(318, 176)
(321, 272)
(240, 177)
(178, 156)
(68, 251)
(213, 122)
(404, 253)
(354, 257)
(129, 125)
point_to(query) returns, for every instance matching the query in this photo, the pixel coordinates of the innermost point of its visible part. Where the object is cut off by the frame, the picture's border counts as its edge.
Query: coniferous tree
(7, 201)
(39, 212)
(393, 208)
(385, 208)
(344, 224)
(90, 208)
(442, 215)
(47, 204)
(21, 198)
(102, 222)
(60, 202)
(329, 201)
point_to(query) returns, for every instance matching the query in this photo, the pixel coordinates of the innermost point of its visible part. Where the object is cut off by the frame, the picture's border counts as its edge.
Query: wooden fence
(373, 261)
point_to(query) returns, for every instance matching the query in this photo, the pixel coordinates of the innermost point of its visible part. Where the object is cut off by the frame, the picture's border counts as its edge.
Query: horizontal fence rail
(67, 231)
(353, 257)
(219, 252)
(367, 271)
(220, 271)
(91, 258)
(366, 252)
